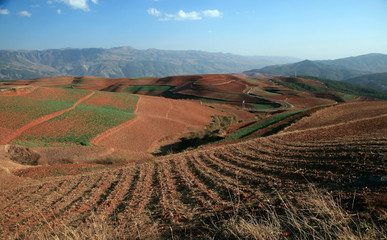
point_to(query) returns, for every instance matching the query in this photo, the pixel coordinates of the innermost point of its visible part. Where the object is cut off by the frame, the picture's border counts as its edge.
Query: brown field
(157, 119)
(117, 188)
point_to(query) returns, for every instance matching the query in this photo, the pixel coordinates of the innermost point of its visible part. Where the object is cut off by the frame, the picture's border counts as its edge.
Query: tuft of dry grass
(95, 228)
(316, 216)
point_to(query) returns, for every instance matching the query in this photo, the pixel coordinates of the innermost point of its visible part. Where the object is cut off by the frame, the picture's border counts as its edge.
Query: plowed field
(183, 189)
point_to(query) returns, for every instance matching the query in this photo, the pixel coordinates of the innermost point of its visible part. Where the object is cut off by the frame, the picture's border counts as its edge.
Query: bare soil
(157, 119)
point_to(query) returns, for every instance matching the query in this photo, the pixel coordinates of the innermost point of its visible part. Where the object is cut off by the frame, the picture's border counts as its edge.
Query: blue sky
(308, 29)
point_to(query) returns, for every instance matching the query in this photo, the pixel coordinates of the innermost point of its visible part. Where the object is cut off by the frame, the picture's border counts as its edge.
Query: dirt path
(169, 110)
(100, 137)
(42, 119)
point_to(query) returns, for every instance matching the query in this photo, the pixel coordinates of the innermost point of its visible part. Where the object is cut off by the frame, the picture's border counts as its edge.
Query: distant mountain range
(344, 69)
(124, 62)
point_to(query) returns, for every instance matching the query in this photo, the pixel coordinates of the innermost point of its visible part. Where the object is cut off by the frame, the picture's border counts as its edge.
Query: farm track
(179, 188)
(43, 119)
(100, 137)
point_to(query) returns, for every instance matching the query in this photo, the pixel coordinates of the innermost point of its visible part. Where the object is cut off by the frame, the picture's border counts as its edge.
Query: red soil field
(97, 83)
(339, 149)
(44, 82)
(181, 190)
(40, 120)
(341, 113)
(303, 100)
(121, 101)
(157, 119)
(303, 80)
(17, 111)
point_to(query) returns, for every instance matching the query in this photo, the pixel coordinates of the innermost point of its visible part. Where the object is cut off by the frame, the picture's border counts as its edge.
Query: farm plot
(79, 126)
(148, 89)
(17, 111)
(182, 190)
(118, 101)
(341, 114)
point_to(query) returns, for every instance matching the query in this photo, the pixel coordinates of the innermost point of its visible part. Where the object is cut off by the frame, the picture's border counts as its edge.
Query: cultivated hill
(198, 156)
(124, 62)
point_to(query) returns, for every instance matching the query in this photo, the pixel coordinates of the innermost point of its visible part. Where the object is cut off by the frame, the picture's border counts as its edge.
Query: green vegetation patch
(265, 92)
(17, 111)
(7, 81)
(205, 136)
(252, 80)
(104, 110)
(265, 106)
(78, 126)
(261, 125)
(300, 86)
(148, 88)
(346, 88)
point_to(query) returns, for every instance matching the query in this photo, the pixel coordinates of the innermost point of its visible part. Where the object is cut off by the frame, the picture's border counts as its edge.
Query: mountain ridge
(339, 69)
(124, 61)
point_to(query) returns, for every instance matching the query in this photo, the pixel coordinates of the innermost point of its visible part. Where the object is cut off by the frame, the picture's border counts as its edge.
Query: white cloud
(4, 12)
(212, 13)
(154, 12)
(78, 4)
(24, 14)
(59, 11)
(182, 15)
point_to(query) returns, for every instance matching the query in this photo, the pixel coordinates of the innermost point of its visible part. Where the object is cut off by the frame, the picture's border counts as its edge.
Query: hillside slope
(376, 81)
(179, 194)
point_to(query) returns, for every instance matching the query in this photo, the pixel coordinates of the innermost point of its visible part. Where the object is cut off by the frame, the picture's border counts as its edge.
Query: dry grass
(317, 216)
(313, 215)
(97, 228)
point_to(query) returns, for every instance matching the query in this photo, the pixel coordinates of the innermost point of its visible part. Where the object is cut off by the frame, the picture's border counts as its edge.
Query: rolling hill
(376, 81)
(303, 158)
(124, 62)
(339, 69)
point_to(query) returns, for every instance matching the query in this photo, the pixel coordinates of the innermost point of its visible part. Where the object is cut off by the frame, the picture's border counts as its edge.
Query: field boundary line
(97, 139)
(330, 126)
(43, 119)
(169, 109)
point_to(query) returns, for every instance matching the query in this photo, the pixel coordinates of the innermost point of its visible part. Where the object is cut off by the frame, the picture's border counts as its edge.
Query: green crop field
(99, 113)
(148, 88)
(17, 111)
(260, 125)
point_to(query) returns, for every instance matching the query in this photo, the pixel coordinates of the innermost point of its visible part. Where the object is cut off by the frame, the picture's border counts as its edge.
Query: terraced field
(184, 189)
(97, 114)
(17, 111)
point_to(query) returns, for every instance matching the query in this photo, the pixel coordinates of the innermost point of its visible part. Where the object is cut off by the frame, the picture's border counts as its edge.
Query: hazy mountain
(373, 62)
(339, 69)
(377, 81)
(124, 62)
